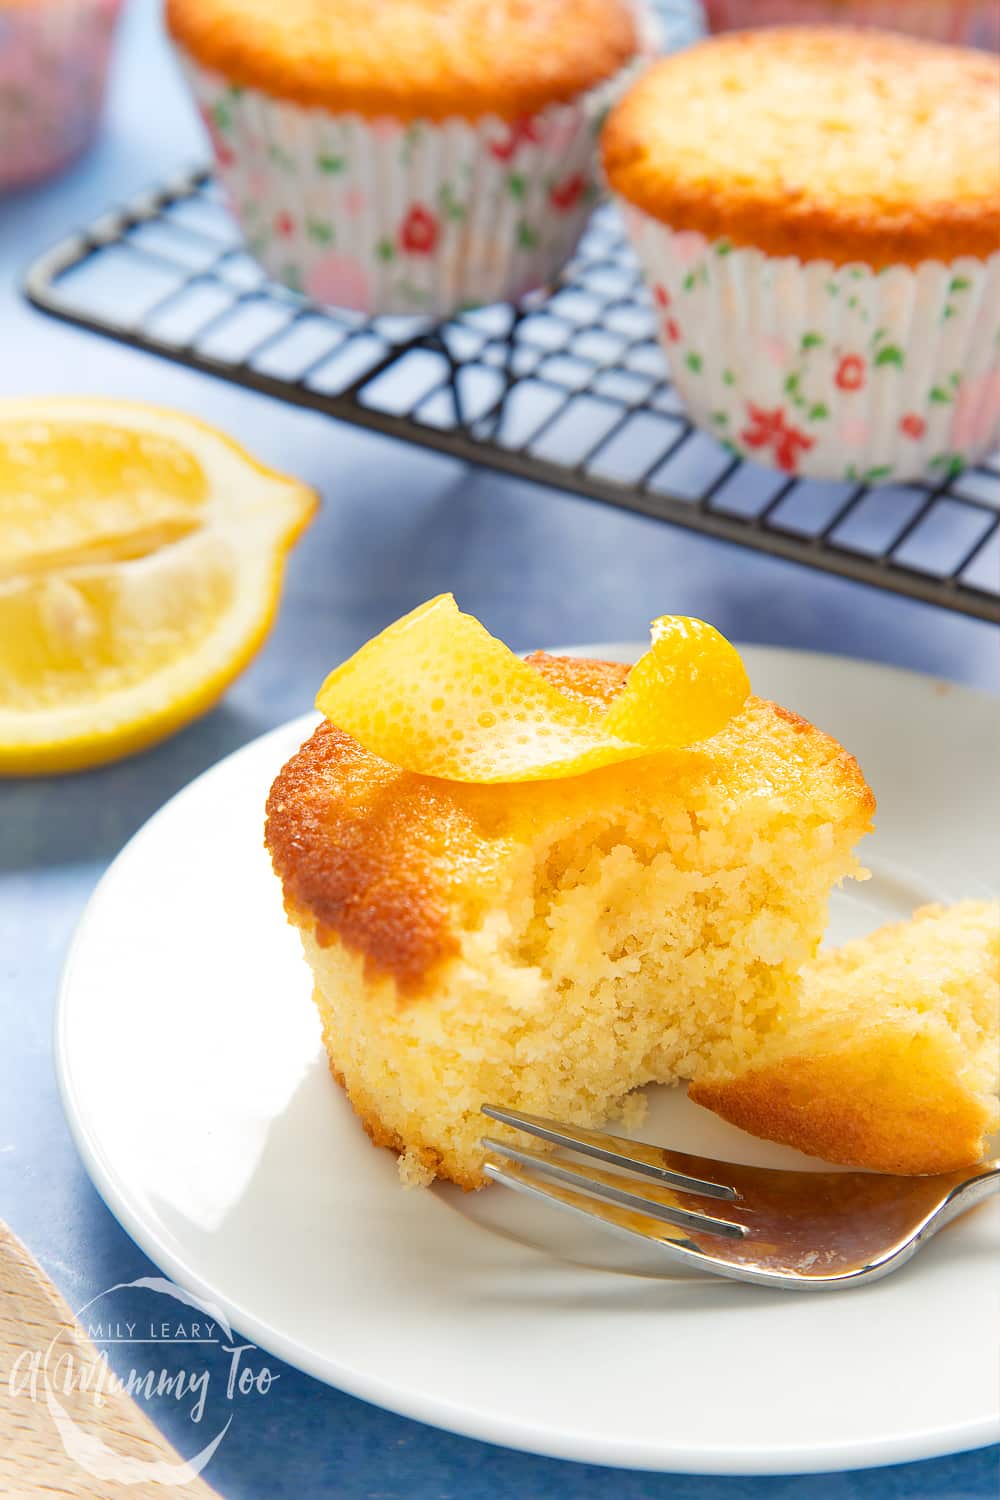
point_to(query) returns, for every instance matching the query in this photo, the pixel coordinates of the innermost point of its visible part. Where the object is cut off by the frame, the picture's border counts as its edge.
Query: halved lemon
(141, 559)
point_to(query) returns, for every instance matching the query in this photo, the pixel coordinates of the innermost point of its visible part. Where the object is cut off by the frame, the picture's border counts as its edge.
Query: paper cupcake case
(53, 65)
(833, 372)
(405, 218)
(970, 23)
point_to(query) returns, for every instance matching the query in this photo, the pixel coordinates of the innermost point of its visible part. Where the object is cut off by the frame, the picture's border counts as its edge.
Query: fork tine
(622, 1220)
(603, 1188)
(637, 1156)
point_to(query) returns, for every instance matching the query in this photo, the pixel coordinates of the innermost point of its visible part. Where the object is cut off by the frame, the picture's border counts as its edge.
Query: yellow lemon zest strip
(436, 693)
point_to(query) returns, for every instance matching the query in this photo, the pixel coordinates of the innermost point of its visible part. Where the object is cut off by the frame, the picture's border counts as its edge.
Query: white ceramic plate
(193, 1077)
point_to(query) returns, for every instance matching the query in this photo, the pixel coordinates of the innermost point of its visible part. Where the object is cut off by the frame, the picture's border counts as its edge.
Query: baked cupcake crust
(817, 142)
(389, 862)
(411, 59)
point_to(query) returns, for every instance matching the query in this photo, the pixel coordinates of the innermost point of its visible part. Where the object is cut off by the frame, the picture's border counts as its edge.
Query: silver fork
(795, 1230)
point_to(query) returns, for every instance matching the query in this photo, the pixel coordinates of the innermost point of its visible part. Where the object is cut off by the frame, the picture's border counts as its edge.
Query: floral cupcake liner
(405, 218)
(837, 372)
(53, 67)
(968, 23)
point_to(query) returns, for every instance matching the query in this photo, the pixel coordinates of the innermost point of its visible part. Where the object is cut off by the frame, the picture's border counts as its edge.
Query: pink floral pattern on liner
(976, 411)
(832, 372)
(853, 432)
(339, 280)
(689, 246)
(53, 66)
(969, 23)
(776, 350)
(438, 215)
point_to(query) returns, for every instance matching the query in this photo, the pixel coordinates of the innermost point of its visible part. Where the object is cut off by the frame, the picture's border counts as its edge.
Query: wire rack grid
(570, 389)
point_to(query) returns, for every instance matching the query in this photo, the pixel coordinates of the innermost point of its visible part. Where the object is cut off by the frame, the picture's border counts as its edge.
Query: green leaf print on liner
(954, 380)
(949, 312)
(281, 158)
(451, 208)
(699, 276)
(833, 289)
(527, 237)
(384, 250)
(959, 284)
(415, 293)
(320, 231)
(221, 115)
(411, 140)
(694, 363)
(331, 164)
(292, 276)
(939, 395)
(728, 378)
(723, 248)
(868, 476)
(890, 354)
(819, 412)
(792, 383)
(812, 341)
(516, 186)
(951, 463)
(720, 418)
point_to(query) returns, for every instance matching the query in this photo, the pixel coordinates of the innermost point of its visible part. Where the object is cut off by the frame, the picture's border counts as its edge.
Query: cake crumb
(414, 1171)
(634, 1110)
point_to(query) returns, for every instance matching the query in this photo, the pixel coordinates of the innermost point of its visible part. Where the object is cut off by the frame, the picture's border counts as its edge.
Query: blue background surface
(396, 526)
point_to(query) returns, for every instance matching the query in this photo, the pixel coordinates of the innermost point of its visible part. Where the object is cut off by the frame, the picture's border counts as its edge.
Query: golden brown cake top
(822, 143)
(411, 59)
(387, 860)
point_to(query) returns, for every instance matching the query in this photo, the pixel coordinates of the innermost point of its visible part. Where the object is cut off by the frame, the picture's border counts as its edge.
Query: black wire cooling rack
(570, 390)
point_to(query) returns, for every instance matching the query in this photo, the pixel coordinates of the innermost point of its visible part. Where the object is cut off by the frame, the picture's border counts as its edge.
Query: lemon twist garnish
(436, 693)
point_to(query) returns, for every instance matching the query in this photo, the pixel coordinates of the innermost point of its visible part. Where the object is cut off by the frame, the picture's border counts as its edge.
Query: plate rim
(435, 1411)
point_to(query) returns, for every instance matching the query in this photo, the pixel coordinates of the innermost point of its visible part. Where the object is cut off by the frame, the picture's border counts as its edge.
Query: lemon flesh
(141, 556)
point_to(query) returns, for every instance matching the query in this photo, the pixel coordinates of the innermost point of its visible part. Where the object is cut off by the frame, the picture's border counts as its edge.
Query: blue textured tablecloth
(397, 525)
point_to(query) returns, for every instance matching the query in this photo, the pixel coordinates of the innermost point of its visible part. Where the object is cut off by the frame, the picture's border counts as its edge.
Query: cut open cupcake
(554, 944)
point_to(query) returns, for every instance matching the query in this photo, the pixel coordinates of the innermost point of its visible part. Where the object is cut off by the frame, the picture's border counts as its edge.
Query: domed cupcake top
(822, 143)
(411, 59)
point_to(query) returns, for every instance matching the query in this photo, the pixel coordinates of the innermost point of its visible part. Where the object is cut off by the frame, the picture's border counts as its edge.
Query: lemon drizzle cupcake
(817, 213)
(53, 66)
(414, 157)
(966, 23)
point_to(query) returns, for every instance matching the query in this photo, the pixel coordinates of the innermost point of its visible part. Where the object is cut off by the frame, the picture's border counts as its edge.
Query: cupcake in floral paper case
(965, 23)
(817, 213)
(53, 67)
(407, 156)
